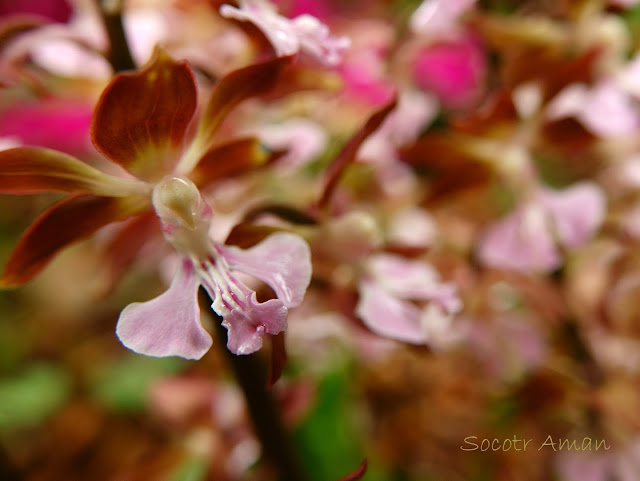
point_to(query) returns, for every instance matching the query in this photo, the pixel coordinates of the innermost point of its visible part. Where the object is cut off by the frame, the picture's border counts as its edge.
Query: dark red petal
(284, 212)
(30, 170)
(123, 249)
(141, 118)
(449, 164)
(247, 234)
(232, 89)
(230, 159)
(64, 223)
(348, 153)
(357, 474)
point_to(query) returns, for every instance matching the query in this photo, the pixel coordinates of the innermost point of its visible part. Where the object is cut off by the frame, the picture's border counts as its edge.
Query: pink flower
(386, 302)
(529, 238)
(304, 34)
(169, 325)
(303, 139)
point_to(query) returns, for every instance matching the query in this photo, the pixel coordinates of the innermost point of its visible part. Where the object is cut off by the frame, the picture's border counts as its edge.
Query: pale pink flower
(602, 465)
(624, 3)
(413, 113)
(604, 109)
(387, 297)
(439, 17)
(303, 139)
(529, 237)
(169, 325)
(304, 34)
(74, 49)
(413, 227)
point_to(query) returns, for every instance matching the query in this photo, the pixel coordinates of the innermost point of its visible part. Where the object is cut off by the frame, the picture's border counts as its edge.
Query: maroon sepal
(70, 220)
(349, 151)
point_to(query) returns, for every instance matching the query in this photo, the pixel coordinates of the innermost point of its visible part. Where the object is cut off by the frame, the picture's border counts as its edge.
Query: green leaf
(192, 469)
(28, 399)
(123, 385)
(328, 438)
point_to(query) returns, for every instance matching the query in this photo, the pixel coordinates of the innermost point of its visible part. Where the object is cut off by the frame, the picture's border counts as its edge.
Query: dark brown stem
(8, 470)
(251, 376)
(119, 55)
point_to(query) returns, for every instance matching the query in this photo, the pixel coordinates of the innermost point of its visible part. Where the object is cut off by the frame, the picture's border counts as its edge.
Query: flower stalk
(265, 415)
(119, 55)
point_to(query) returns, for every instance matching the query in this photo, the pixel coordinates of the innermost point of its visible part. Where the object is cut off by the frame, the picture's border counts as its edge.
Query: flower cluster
(430, 210)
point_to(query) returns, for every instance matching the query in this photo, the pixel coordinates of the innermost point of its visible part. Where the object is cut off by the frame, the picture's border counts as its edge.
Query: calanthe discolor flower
(528, 239)
(406, 300)
(304, 34)
(141, 123)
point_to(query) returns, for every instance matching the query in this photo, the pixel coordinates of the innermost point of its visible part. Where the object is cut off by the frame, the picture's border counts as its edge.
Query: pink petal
(583, 467)
(453, 71)
(438, 17)
(521, 241)
(305, 34)
(264, 16)
(317, 8)
(168, 325)
(389, 316)
(317, 43)
(624, 3)
(577, 211)
(57, 10)
(248, 324)
(404, 278)
(282, 260)
(303, 139)
(56, 124)
(610, 111)
(606, 110)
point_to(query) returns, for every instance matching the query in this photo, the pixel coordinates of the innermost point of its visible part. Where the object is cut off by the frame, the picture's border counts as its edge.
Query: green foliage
(123, 385)
(29, 398)
(192, 469)
(328, 438)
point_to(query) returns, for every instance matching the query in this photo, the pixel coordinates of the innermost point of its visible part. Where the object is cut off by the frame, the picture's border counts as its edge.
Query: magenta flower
(141, 123)
(57, 124)
(56, 10)
(304, 34)
(405, 300)
(454, 70)
(529, 238)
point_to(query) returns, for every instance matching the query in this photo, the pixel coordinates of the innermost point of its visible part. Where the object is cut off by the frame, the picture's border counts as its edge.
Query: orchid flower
(605, 109)
(387, 299)
(141, 123)
(529, 237)
(304, 34)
